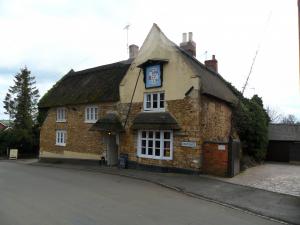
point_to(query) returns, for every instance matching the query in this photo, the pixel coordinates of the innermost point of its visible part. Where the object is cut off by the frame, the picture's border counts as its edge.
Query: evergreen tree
(21, 100)
(20, 104)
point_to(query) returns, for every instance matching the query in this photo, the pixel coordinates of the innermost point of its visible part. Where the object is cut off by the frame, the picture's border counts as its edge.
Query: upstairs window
(61, 136)
(61, 115)
(91, 114)
(154, 101)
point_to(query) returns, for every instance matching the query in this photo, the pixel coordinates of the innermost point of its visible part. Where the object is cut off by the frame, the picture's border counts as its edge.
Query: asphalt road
(34, 195)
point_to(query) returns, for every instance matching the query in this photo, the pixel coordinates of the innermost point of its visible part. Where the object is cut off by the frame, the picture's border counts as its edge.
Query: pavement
(268, 204)
(272, 176)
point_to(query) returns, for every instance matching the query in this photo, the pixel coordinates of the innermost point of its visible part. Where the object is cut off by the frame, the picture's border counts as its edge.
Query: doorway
(112, 150)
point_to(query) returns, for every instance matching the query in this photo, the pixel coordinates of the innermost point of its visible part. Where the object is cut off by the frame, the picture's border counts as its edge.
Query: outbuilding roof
(284, 132)
(99, 84)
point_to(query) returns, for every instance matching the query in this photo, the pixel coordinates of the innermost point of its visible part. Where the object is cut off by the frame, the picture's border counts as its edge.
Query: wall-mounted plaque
(189, 144)
(221, 147)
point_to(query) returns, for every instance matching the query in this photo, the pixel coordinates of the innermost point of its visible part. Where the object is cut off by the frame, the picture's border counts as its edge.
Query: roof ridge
(211, 75)
(193, 58)
(186, 53)
(98, 84)
(201, 64)
(232, 97)
(102, 67)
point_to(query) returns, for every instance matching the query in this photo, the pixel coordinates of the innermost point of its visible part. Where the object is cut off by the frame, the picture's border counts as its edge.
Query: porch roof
(110, 122)
(155, 120)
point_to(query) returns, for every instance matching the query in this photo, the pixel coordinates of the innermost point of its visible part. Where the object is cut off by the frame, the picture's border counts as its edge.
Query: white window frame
(91, 114)
(151, 108)
(61, 137)
(153, 139)
(61, 114)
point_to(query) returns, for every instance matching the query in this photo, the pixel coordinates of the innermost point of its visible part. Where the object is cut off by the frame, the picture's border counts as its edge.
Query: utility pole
(299, 38)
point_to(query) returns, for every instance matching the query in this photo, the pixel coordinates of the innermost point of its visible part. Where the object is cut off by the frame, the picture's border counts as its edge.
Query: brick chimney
(212, 64)
(133, 51)
(188, 45)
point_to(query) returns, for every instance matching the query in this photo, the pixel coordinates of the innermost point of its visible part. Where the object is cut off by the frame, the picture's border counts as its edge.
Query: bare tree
(289, 119)
(274, 115)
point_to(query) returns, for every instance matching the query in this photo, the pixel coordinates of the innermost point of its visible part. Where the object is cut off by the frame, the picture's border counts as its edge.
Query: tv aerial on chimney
(127, 31)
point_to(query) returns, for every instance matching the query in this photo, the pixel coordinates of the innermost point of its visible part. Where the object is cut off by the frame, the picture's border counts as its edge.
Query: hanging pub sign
(153, 72)
(153, 76)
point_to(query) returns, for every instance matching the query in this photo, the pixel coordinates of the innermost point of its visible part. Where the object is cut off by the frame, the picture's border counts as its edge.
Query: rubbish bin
(123, 161)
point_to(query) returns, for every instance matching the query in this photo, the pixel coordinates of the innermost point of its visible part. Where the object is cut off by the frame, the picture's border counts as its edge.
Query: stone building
(161, 109)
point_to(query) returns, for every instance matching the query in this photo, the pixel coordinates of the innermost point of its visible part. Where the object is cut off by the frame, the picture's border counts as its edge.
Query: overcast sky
(52, 36)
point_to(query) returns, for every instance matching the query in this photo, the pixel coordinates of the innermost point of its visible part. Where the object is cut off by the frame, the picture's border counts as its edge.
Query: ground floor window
(156, 144)
(61, 136)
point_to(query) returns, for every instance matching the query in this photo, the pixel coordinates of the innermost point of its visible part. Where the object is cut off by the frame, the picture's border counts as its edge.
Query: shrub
(251, 122)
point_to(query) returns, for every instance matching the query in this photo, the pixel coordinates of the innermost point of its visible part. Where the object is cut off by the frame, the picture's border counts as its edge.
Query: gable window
(61, 136)
(91, 114)
(61, 115)
(154, 101)
(155, 144)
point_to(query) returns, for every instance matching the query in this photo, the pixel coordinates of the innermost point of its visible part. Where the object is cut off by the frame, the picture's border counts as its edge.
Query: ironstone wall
(201, 119)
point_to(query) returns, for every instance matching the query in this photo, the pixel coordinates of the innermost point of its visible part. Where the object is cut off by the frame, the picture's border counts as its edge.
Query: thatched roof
(212, 83)
(99, 84)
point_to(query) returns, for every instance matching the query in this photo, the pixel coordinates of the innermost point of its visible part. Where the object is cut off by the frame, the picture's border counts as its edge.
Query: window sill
(152, 157)
(61, 145)
(61, 121)
(154, 110)
(90, 121)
